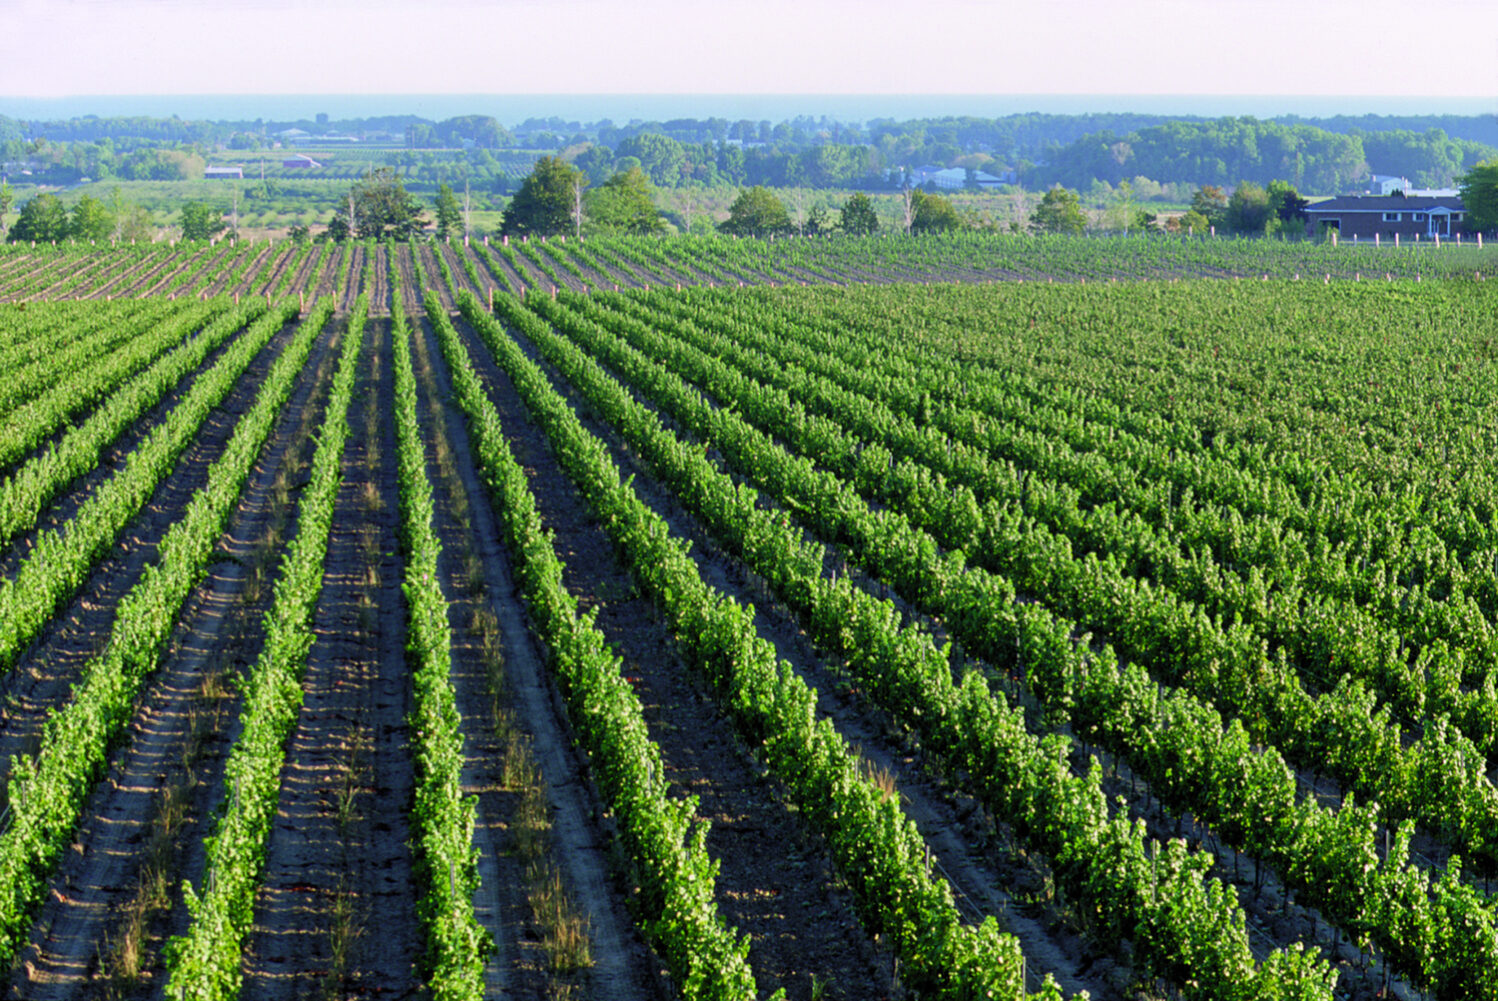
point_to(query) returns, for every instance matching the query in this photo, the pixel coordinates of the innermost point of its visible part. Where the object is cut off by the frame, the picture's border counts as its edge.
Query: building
(223, 173)
(1364, 217)
(1387, 184)
(300, 161)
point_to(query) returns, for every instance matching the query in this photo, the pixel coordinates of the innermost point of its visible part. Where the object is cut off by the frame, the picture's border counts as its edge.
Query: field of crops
(983, 617)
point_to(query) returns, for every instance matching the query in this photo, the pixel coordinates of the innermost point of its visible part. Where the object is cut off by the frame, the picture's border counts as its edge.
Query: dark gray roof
(1385, 203)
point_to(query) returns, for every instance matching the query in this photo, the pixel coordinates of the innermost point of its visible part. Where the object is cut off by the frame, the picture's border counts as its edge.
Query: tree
(1210, 202)
(1286, 202)
(858, 217)
(624, 204)
(383, 209)
(933, 214)
(1190, 222)
(1249, 211)
(545, 202)
(756, 212)
(1059, 211)
(449, 215)
(1479, 188)
(90, 220)
(6, 198)
(41, 220)
(200, 222)
(818, 222)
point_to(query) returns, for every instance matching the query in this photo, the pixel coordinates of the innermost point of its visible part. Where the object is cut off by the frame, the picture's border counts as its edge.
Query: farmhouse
(222, 173)
(1364, 217)
(300, 162)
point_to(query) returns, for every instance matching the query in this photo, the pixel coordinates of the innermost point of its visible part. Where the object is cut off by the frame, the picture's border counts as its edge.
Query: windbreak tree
(1479, 190)
(547, 200)
(932, 214)
(449, 215)
(90, 220)
(42, 220)
(1059, 211)
(1249, 210)
(382, 207)
(201, 222)
(858, 217)
(623, 204)
(756, 212)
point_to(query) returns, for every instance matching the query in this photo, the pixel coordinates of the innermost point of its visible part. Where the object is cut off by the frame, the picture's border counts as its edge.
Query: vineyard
(956, 618)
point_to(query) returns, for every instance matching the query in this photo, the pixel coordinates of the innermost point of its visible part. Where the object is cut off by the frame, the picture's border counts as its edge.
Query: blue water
(511, 109)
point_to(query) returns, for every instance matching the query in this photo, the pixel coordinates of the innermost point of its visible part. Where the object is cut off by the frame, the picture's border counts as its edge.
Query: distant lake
(511, 109)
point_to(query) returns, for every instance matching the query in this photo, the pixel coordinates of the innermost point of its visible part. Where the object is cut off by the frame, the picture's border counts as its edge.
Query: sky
(1438, 48)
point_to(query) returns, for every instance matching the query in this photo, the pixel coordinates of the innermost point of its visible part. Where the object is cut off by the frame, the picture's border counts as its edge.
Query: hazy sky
(1310, 47)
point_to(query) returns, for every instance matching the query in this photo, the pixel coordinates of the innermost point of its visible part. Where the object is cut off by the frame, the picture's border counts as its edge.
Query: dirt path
(336, 911)
(505, 277)
(487, 281)
(425, 253)
(621, 964)
(776, 883)
(45, 672)
(145, 823)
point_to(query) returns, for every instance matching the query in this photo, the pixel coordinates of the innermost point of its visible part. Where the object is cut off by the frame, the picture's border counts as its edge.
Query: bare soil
(147, 819)
(44, 673)
(621, 966)
(776, 883)
(336, 911)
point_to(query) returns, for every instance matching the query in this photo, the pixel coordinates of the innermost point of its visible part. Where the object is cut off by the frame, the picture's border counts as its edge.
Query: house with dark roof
(1364, 217)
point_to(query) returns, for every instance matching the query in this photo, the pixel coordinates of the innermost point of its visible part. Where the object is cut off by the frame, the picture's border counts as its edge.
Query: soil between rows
(336, 911)
(43, 674)
(621, 965)
(146, 821)
(776, 883)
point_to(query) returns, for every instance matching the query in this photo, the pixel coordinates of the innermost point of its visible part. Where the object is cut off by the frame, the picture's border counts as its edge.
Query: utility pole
(467, 210)
(350, 215)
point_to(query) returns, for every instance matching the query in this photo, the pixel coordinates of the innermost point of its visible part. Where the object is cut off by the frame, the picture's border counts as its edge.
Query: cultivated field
(631, 619)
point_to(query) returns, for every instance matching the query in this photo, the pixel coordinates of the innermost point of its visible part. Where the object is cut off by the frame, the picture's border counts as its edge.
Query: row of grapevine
(26, 492)
(1167, 915)
(61, 559)
(662, 838)
(1194, 761)
(878, 848)
(1439, 778)
(206, 961)
(47, 790)
(443, 817)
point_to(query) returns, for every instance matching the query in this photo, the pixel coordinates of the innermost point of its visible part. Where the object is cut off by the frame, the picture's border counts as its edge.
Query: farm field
(940, 618)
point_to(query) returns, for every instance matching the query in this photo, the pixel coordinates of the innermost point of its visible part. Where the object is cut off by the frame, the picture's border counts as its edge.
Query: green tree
(1059, 211)
(858, 216)
(1211, 202)
(1286, 202)
(546, 201)
(1248, 210)
(6, 198)
(756, 212)
(1479, 188)
(383, 209)
(449, 215)
(818, 221)
(201, 222)
(932, 214)
(1192, 222)
(624, 203)
(90, 220)
(42, 220)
